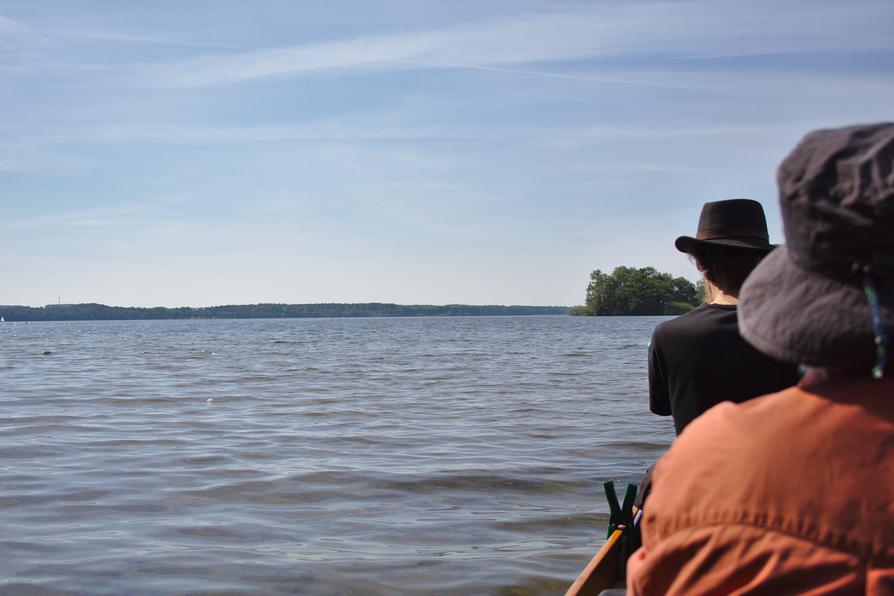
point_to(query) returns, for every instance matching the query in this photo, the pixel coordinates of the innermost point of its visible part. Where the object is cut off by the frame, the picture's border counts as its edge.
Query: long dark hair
(726, 267)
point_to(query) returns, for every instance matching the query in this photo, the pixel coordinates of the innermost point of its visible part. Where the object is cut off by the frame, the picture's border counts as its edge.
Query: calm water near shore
(370, 456)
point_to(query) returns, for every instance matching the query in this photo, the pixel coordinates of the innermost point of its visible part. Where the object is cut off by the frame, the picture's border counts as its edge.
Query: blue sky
(199, 153)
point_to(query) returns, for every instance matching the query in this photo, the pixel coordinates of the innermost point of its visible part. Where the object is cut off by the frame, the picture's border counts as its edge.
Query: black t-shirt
(699, 359)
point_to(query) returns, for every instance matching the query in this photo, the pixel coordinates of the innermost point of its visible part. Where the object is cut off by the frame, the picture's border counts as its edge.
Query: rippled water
(368, 456)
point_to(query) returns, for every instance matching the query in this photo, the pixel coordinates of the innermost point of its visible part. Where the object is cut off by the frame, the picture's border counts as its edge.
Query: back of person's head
(826, 298)
(726, 268)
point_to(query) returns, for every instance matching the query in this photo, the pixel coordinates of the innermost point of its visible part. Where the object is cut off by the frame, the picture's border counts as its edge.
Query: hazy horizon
(219, 304)
(403, 151)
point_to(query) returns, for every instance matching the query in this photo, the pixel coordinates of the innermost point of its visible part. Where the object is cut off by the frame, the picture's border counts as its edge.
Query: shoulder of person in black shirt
(699, 359)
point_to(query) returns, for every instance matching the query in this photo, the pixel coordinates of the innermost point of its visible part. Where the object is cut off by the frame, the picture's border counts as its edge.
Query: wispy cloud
(120, 214)
(387, 128)
(11, 27)
(670, 28)
(30, 156)
(130, 38)
(16, 39)
(185, 134)
(613, 78)
(255, 64)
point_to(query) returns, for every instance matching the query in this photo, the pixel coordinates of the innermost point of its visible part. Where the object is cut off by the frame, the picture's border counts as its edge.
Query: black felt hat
(811, 301)
(735, 223)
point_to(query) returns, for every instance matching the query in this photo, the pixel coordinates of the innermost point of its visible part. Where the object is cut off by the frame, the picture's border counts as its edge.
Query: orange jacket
(791, 492)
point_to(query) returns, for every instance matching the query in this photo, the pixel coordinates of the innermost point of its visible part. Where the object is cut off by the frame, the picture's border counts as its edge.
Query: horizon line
(369, 303)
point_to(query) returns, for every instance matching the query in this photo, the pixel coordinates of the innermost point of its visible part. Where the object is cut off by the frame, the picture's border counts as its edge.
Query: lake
(447, 455)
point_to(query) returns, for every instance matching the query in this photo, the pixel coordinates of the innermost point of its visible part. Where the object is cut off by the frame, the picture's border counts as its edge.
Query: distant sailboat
(2, 320)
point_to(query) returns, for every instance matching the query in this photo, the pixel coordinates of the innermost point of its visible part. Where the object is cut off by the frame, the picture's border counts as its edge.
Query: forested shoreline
(627, 291)
(101, 312)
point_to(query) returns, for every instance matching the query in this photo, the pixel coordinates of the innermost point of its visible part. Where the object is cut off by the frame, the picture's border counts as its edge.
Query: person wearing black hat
(699, 359)
(793, 492)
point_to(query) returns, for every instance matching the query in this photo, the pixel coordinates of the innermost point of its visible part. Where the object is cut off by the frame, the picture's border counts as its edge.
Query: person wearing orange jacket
(793, 492)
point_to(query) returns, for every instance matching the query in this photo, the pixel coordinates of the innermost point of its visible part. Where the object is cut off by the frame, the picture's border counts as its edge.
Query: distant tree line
(90, 312)
(644, 291)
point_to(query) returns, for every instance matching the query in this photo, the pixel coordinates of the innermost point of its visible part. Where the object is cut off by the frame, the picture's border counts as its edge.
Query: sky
(173, 153)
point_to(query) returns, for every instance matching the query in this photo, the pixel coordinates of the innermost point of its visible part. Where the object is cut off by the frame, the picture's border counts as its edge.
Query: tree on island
(643, 291)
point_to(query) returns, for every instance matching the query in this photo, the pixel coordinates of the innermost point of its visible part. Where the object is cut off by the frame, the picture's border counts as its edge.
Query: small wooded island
(645, 291)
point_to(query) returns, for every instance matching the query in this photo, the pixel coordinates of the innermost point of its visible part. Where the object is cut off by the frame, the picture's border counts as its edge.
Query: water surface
(370, 456)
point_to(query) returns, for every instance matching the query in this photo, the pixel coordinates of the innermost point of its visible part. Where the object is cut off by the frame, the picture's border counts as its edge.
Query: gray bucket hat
(826, 298)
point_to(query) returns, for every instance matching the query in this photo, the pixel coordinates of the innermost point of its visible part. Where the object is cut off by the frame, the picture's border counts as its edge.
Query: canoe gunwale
(603, 570)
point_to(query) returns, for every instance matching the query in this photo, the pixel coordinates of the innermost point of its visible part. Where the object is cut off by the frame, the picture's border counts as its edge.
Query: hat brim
(806, 318)
(688, 244)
